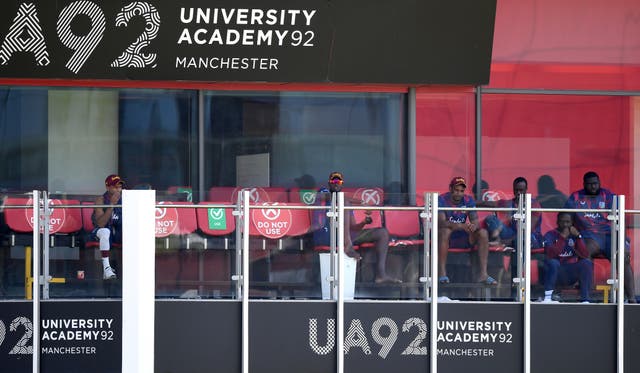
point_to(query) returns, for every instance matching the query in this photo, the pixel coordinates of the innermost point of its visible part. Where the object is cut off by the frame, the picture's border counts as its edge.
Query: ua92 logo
(25, 34)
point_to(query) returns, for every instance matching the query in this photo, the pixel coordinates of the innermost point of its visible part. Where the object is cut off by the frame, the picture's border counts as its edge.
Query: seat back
(300, 221)
(174, 221)
(87, 212)
(215, 221)
(18, 219)
(62, 220)
(402, 223)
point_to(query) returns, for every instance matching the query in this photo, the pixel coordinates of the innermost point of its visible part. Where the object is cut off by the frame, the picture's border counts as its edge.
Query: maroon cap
(113, 180)
(458, 180)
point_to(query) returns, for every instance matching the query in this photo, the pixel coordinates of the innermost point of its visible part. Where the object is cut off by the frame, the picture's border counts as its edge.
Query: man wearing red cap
(354, 232)
(107, 221)
(455, 230)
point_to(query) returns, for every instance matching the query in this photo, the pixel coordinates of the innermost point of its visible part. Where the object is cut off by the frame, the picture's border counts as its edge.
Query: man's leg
(629, 280)
(104, 237)
(585, 276)
(380, 238)
(443, 249)
(481, 238)
(551, 269)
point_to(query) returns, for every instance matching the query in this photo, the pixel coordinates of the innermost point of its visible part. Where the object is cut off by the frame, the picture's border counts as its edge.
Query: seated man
(107, 221)
(566, 259)
(454, 230)
(596, 228)
(354, 232)
(503, 227)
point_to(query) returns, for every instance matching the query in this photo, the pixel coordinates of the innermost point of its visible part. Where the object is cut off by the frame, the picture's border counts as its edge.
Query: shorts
(460, 240)
(114, 237)
(604, 242)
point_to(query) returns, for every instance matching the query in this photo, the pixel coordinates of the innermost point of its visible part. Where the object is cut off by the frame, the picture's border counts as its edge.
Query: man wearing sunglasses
(355, 233)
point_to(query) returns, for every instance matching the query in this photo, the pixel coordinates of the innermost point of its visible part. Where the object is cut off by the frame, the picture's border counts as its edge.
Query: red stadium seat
(403, 227)
(64, 222)
(216, 222)
(177, 222)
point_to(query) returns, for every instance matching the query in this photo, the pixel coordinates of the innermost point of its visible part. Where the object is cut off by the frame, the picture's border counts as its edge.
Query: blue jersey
(513, 223)
(115, 223)
(444, 200)
(594, 222)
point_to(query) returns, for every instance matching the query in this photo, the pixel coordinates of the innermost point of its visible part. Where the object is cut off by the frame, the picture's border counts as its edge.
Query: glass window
(300, 133)
(445, 139)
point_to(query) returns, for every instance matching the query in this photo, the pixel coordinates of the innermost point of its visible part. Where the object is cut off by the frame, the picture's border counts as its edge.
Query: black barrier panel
(198, 336)
(573, 338)
(76, 337)
(631, 338)
(383, 337)
(403, 41)
(480, 337)
(292, 337)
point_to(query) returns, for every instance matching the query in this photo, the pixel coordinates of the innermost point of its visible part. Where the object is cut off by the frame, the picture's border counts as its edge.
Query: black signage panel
(573, 338)
(74, 336)
(404, 41)
(383, 337)
(480, 337)
(631, 337)
(198, 336)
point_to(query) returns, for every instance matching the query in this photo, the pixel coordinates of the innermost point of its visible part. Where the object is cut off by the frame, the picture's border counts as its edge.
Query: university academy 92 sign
(354, 41)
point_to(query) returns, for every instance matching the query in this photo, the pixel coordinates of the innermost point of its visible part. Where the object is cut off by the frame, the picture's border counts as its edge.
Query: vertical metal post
(238, 212)
(427, 215)
(340, 303)
(201, 144)
(478, 142)
(332, 215)
(411, 145)
(433, 336)
(527, 281)
(45, 218)
(245, 281)
(620, 233)
(36, 282)
(520, 248)
(615, 280)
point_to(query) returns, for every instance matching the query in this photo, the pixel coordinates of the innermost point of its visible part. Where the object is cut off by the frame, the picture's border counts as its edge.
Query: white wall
(83, 139)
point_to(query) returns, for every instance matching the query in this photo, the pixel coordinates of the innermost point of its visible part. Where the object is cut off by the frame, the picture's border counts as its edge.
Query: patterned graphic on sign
(356, 338)
(217, 219)
(386, 342)
(313, 337)
(25, 35)
(416, 347)
(133, 56)
(82, 45)
(22, 347)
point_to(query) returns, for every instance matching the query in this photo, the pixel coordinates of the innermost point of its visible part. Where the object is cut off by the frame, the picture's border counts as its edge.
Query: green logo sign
(308, 196)
(217, 219)
(186, 191)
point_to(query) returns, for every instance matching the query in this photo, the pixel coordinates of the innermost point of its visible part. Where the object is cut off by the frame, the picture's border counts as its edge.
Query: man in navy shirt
(107, 221)
(595, 227)
(567, 259)
(355, 233)
(461, 229)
